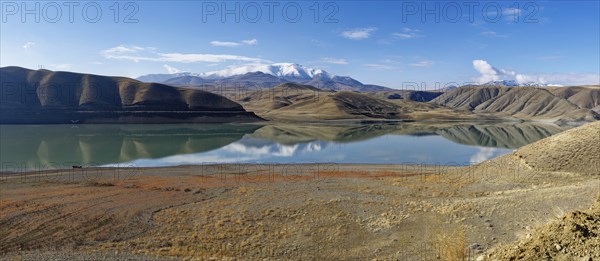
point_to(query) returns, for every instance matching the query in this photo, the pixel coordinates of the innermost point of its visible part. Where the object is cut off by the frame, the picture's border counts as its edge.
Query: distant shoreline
(132, 117)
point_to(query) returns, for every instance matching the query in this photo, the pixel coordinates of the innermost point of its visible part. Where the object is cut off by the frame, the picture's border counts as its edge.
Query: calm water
(58, 146)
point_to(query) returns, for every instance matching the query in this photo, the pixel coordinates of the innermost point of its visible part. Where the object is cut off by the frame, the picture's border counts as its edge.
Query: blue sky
(391, 43)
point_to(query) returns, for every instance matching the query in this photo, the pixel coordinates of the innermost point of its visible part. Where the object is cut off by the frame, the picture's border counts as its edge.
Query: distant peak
(514, 83)
(283, 70)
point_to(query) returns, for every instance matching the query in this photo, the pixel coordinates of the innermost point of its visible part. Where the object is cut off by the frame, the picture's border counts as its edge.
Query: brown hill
(573, 151)
(304, 102)
(566, 103)
(406, 95)
(576, 236)
(587, 97)
(57, 94)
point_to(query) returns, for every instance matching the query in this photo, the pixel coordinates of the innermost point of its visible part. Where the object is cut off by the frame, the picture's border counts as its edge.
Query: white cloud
(359, 34)
(410, 30)
(403, 35)
(563, 79)
(511, 11)
(423, 63)
(377, 66)
(508, 14)
(136, 54)
(408, 33)
(333, 60)
(62, 66)
(171, 69)
(234, 44)
(489, 73)
(250, 42)
(484, 154)
(124, 49)
(28, 45)
(225, 44)
(211, 58)
(493, 34)
(285, 150)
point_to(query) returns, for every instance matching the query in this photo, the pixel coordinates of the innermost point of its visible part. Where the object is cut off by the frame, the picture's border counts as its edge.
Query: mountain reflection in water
(58, 146)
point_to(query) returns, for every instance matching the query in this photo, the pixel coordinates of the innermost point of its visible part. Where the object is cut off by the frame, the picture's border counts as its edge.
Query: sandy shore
(298, 212)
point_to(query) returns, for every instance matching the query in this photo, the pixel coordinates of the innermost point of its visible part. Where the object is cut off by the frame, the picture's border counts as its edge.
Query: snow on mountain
(264, 75)
(282, 70)
(514, 83)
(164, 76)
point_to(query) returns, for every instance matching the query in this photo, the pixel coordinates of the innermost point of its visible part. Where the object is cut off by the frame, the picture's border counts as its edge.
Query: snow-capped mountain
(513, 83)
(263, 76)
(281, 70)
(163, 77)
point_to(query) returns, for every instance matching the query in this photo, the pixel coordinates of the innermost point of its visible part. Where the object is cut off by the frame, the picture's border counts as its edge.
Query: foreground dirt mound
(576, 150)
(574, 237)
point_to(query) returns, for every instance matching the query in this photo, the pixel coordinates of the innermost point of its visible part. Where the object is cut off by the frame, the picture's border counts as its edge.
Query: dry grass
(362, 174)
(449, 240)
(95, 183)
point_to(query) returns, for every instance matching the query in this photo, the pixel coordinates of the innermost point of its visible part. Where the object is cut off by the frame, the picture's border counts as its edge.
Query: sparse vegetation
(95, 183)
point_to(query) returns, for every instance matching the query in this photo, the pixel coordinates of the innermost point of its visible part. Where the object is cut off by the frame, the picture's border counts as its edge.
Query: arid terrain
(300, 130)
(48, 97)
(305, 103)
(538, 196)
(56, 97)
(295, 102)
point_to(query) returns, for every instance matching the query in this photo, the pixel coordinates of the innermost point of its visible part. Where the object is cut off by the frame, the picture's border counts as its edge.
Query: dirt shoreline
(308, 211)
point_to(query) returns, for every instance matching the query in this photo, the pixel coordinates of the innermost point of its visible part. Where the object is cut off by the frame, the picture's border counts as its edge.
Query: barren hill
(576, 150)
(566, 103)
(55, 94)
(574, 236)
(292, 101)
(587, 97)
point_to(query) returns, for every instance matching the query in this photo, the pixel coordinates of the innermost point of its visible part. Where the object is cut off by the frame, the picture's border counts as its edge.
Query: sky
(391, 43)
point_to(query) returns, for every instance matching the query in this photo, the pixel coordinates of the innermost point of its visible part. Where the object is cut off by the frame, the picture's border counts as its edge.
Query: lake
(41, 147)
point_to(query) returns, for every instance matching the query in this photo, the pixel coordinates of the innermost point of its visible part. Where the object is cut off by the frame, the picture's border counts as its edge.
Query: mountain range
(296, 102)
(514, 83)
(261, 76)
(264, 76)
(43, 96)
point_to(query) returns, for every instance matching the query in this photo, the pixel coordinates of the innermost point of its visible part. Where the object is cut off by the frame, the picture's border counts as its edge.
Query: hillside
(52, 97)
(564, 103)
(574, 152)
(406, 95)
(583, 97)
(296, 102)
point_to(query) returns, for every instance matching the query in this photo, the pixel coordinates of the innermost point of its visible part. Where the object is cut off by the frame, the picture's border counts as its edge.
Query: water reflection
(34, 147)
